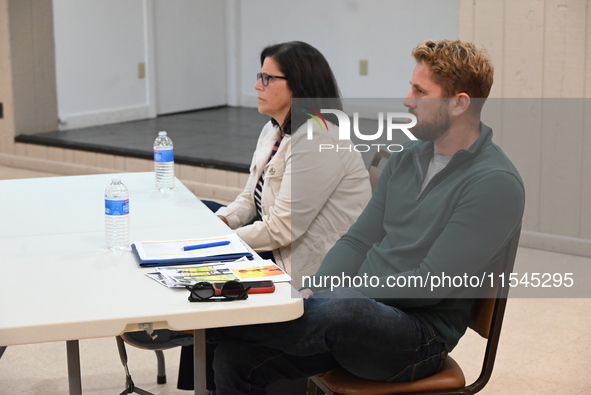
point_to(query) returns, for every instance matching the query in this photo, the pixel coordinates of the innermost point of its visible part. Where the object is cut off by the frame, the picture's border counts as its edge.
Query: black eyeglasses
(204, 291)
(265, 78)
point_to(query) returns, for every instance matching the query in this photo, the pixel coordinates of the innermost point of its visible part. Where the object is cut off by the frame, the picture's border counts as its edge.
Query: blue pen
(206, 245)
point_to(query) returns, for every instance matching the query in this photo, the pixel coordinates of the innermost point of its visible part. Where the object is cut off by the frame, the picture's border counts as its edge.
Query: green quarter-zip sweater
(455, 227)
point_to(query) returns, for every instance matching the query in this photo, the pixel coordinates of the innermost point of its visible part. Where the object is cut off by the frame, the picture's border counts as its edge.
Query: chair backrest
(488, 313)
(375, 167)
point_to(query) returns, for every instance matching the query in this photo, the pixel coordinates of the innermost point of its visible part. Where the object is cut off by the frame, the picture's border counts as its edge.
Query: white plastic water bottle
(164, 162)
(117, 215)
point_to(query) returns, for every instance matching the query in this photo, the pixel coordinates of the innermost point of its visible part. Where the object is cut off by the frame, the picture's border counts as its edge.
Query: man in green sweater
(444, 208)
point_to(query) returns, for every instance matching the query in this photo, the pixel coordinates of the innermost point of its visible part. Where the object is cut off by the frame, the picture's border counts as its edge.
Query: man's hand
(306, 293)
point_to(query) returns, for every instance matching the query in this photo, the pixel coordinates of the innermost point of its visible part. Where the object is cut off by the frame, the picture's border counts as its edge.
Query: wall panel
(588, 52)
(523, 51)
(564, 62)
(6, 123)
(560, 170)
(542, 49)
(33, 65)
(585, 222)
(488, 21)
(466, 20)
(585, 173)
(564, 48)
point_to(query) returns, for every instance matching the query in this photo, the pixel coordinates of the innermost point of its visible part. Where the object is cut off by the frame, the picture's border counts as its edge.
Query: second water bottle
(164, 162)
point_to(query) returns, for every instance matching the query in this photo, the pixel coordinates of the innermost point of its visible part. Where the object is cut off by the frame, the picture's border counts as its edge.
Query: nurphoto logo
(392, 123)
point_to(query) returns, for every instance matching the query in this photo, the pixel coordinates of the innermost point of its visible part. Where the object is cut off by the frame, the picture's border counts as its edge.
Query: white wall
(382, 31)
(190, 55)
(98, 46)
(100, 42)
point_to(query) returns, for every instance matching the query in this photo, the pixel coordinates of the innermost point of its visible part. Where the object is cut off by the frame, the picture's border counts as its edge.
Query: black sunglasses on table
(205, 292)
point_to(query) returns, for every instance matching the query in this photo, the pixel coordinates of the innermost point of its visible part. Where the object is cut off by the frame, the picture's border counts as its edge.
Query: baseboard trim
(83, 120)
(555, 243)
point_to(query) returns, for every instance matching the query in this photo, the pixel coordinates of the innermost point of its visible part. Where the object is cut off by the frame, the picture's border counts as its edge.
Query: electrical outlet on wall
(363, 67)
(141, 70)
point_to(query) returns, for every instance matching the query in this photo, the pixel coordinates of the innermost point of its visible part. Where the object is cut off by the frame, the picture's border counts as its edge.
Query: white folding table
(58, 282)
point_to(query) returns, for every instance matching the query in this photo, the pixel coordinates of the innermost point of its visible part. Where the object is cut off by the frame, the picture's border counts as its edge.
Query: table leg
(73, 352)
(199, 361)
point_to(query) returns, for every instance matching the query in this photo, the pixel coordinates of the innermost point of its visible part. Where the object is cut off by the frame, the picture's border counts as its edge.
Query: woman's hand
(223, 219)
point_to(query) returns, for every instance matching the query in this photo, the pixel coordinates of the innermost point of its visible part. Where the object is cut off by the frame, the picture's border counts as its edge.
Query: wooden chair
(487, 319)
(375, 167)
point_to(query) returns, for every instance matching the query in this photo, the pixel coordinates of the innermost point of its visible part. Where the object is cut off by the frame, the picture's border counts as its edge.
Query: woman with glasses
(300, 196)
(298, 199)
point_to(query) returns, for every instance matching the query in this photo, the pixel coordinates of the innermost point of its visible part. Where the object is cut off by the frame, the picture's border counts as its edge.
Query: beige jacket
(310, 198)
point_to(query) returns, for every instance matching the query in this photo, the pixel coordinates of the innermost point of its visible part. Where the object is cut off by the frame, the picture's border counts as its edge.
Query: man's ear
(460, 104)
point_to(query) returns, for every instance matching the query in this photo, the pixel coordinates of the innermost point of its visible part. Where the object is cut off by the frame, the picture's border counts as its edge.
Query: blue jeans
(338, 328)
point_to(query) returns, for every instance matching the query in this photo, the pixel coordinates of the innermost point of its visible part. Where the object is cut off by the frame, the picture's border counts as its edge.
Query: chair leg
(312, 387)
(161, 378)
(131, 388)
(315, 388)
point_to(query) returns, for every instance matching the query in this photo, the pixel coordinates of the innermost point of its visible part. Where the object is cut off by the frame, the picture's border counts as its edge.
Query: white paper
(173, 249)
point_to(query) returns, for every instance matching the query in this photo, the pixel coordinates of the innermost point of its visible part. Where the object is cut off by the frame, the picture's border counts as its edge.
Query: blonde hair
(457, 66)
